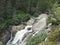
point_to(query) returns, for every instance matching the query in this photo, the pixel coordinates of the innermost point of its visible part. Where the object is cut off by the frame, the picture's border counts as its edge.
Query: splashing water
(19, 36)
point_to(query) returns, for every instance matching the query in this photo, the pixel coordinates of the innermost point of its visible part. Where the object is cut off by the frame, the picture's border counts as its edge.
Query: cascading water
(19, 36)
(17, 40)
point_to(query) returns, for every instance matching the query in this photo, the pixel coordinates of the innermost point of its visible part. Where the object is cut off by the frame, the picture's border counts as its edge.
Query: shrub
(50, 43)
(54, 16)
(58, 14)
(3, 24)
(52, 20)
(38, 38)
(54, 36)
(0, 43)
(19, 17)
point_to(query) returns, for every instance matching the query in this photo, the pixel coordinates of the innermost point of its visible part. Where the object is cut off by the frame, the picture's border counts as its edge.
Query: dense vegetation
(9, 8)
(54, 18)
(54, 36)
(38, 38)
(14, 12)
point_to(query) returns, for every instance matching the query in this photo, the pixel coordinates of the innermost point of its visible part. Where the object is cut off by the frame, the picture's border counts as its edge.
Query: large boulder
(40, 22)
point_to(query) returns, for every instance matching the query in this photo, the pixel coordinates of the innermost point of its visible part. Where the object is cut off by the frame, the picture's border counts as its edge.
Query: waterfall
(19, 36)
(39, 25)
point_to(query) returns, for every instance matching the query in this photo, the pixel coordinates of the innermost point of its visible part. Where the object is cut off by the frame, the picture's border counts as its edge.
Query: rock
(38, 25)
(40, 22)
(50, 24)
(48, 29)
(41, 16)
(46, 39)
(31, 21)
(17, 28)
(5, 37)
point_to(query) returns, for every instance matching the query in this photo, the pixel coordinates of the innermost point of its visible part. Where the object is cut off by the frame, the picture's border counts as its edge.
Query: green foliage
(51, 19)
(52, 43)
(54, 16)
(32, 7)
(0, 43)
(6, 12)
(58, 1)
(19, 17)
(3, 24)
(57, 14)
(54, 36)
(16, 19)
(8, 16)
(53, 9)
(38, 38)
(35, 7)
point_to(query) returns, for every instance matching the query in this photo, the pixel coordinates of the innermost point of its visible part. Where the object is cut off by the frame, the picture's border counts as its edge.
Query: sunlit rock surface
(31, 21)
(17, 28)
(40, 22)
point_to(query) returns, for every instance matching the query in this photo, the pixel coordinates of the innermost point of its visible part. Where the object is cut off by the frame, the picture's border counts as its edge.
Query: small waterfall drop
(19, 36)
